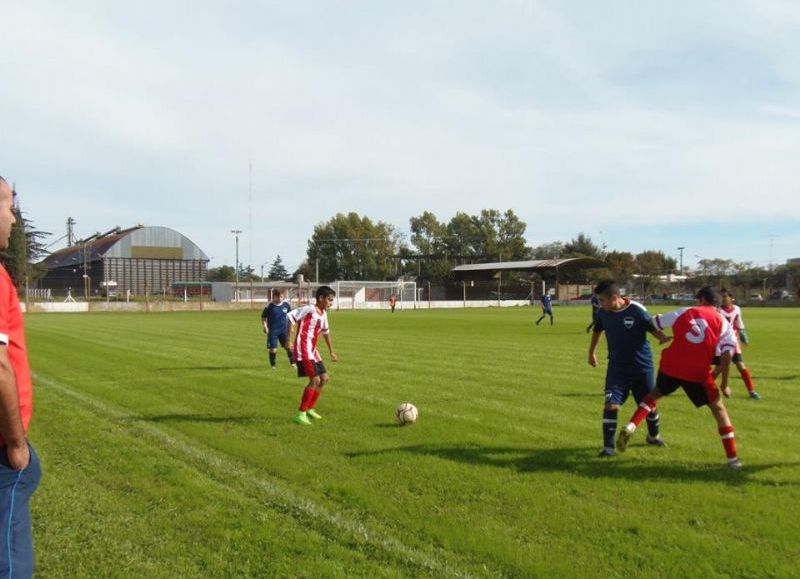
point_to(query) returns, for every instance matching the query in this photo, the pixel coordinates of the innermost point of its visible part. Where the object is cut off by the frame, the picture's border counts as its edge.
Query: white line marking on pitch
(226, 468)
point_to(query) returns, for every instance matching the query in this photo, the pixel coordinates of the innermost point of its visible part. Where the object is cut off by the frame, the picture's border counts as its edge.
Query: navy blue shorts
(620, 384)
(274, 337)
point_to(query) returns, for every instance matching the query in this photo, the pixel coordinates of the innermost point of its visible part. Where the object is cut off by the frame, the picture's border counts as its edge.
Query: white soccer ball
(406, 413)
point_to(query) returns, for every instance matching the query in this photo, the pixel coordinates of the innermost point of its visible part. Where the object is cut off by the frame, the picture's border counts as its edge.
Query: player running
(630, 360)
(733, 314)
(309, 322)
(547, 308)
(699, 333)
(274, 323)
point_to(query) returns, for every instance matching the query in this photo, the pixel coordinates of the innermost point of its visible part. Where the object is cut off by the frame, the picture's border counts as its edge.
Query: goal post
(375, 295)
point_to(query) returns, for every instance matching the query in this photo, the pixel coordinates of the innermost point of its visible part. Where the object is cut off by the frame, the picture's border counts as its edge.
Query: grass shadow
(584, 462)
(171, 418)
(209, 368)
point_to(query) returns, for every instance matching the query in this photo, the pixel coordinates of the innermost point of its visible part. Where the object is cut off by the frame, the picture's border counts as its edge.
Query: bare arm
(328, 342)
(10, 420)
(593, 348)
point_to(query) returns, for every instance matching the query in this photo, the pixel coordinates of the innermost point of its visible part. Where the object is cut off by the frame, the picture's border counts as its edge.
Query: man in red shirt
(19, 466)
(699, 334)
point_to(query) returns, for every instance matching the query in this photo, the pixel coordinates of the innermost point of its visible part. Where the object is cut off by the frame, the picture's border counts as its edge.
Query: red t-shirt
(698, 334)
(12, 335)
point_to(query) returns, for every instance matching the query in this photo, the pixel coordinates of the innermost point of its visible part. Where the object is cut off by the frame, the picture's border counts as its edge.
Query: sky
(643, 124)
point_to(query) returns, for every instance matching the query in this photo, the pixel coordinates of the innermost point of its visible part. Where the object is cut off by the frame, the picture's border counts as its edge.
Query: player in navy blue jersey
(274, 322)
(595, 308)
(547, 308)
(630, 360)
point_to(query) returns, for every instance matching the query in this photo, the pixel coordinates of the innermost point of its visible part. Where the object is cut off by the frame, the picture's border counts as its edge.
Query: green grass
(168, 451)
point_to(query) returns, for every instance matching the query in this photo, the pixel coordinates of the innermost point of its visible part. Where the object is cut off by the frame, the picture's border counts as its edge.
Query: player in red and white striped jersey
(733, 314)
(698, 335)
(309, 322)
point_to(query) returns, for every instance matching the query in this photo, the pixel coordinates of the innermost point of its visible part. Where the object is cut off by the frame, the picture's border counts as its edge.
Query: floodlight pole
(236, 233)
(680, 271)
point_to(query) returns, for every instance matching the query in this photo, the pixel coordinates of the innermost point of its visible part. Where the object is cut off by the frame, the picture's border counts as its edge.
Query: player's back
(699, 333)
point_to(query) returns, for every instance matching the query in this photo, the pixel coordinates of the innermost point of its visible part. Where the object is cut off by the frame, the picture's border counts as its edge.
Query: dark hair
(708, 294)
(325, 291)
(607, 288)
(276, 292)
(725, 292)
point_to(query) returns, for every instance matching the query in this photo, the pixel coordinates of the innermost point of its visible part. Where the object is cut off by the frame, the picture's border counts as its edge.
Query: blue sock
(653, 420)
(609, 428)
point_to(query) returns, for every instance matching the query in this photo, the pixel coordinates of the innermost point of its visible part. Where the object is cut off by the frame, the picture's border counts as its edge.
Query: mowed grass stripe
(499, 475)
(243, 481)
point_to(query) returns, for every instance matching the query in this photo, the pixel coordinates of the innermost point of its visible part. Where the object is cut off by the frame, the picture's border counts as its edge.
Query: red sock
(308, 394)
(314, 398)
(728, 441)
(646, 406)
(748, 380)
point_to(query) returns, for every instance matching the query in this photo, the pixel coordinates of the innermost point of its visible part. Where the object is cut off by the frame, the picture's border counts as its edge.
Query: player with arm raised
(733, 314)
(699, 333)
(309, 322)
(274, 322)
(630, 359)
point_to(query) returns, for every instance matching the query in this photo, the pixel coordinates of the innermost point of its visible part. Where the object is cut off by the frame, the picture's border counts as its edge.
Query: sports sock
(314, 398)
(653, 420)
(748, 380)
(272, 358)
(646, 406)
(609, 428)
(728, 441)
(289, 355)
(308, 393)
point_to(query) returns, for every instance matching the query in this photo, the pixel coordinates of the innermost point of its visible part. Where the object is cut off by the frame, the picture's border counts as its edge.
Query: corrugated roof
(532, 265)
(87, 251)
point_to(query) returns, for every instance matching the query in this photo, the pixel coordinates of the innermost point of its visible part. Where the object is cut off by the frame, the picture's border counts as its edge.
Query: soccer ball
(406, 413)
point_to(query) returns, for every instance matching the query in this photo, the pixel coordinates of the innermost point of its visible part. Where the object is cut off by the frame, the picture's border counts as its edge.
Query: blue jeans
(16, 541)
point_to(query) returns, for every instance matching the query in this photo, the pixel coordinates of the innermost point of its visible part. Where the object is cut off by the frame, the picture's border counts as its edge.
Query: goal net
(375, 294)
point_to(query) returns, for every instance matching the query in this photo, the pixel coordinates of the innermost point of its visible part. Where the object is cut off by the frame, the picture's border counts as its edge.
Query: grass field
(168, 451)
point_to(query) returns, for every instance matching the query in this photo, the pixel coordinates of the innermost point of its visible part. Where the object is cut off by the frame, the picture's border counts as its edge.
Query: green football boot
(313, 414)
(302, 418)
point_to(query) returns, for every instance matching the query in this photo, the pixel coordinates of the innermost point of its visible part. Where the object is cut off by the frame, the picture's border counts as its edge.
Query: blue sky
(646, 125)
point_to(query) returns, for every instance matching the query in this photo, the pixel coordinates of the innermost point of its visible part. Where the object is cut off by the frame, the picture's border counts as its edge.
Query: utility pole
(680, 271)
(236, 233)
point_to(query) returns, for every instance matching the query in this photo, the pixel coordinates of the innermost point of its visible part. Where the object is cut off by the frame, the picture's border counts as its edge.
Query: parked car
(756, 298)
(780, 295)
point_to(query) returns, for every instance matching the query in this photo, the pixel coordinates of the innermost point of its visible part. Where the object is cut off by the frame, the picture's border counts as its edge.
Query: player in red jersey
(20, 470)
(733, 314)
(309, 322)
(699, 333)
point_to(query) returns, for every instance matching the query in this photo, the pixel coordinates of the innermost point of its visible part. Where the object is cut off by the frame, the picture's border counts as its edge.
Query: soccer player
(595, 309)
(393, 302)
(733, 314)
(630, 360)
(20, 470)
(547, 308)
(699, 333)
(310, 322)
(274, 323)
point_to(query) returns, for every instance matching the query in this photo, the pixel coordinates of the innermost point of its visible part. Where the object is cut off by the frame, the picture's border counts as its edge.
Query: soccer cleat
(622, 439)
(735, 463)
(606, 453)
(302, 418)
(293, 365)
(274, 367)
(755, 396)
(313, 414)
(655, 441)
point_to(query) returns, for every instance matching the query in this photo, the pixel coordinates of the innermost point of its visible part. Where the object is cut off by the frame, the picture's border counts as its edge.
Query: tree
(582, 246)
(429, 237)
(552, 250)
(24, 248)
(621, 265)
(652, 265)
(277, 271)
(351, 247)
(221, 273)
